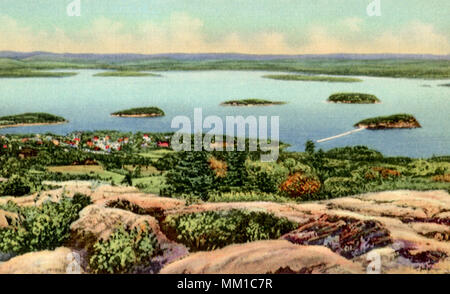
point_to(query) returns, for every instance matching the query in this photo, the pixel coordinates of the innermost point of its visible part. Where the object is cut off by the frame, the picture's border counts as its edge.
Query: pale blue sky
(249, 26)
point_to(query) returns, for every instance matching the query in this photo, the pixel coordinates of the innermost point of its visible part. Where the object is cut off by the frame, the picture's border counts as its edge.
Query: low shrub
(265, 177)
(300, 186)
(42, 228)
(340, 186)
(421, 168)
(218, 166)
(246, 197)
(355, 153)
(123, 250)
(211, 230)
(15, 186)
(385, 173)
(442, 178)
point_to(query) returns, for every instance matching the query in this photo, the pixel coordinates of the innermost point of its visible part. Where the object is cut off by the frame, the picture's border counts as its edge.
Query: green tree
(16, 186)
(310, 147)
(191, 174)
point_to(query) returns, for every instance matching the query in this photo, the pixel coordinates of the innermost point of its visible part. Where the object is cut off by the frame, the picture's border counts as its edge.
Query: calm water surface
(87, 102)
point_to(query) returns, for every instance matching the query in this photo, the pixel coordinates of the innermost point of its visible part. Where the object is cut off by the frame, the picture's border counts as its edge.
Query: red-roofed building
(163, 144)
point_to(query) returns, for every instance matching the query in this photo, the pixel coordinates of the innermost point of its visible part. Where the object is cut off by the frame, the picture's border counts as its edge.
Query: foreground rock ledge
(262, 257)
(409, 230)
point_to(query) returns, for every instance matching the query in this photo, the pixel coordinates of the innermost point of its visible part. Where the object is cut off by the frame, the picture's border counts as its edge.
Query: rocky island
(140, 112)
(126, 74)
(252, 102)
(353, 98)
(396, 121)
(30, 119)
(312, 78)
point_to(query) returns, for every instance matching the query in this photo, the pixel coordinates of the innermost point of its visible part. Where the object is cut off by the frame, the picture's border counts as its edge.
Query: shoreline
(387, 126)
(31, 125)
(349, 102)
(137, 115)
(250, 105)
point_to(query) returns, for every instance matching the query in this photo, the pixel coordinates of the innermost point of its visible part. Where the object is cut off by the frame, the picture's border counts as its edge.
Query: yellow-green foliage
(246, 197)
(123, 250)
(41, 228)
(211, 230)
(15, 186)
(427, 168)
(265, 176)
(295, 166)
(339, 186)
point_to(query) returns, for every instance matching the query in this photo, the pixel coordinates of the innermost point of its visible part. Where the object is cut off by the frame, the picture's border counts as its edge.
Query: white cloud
(353, 24)
(183, 33)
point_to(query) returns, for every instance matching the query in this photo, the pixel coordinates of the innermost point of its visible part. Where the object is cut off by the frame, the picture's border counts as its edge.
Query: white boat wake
(340, 135)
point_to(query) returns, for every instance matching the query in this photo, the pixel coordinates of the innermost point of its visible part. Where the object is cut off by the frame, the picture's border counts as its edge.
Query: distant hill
(40, 55)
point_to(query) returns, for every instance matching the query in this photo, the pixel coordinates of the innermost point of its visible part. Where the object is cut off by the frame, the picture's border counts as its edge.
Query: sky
(226, 26)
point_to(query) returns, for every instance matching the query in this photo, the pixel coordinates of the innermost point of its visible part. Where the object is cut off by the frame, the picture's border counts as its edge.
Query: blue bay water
(87, 102)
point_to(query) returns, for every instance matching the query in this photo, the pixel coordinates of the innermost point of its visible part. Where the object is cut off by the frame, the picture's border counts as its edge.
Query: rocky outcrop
(60, 261)
(97, 191)
(97, 222)
(6, 217)
(348, 237)
(276, 256)
(407, 231)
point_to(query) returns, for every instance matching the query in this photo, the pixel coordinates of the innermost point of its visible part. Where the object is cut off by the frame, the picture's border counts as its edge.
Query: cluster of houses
(38, 140)
(107, 145)
(96, 143)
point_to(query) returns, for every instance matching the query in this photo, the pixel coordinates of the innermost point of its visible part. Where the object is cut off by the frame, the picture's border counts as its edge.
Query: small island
(312, 78)
(126, 74)
(251, 102)
(30, 119)
(140, 112)
(396, 121)
(353, 98)
(445, 85)
(25, 73)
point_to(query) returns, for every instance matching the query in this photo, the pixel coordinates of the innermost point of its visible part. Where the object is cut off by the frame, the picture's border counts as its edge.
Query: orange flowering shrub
(442, 178)
(218, 166)
(299, 185)
(383, 172)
